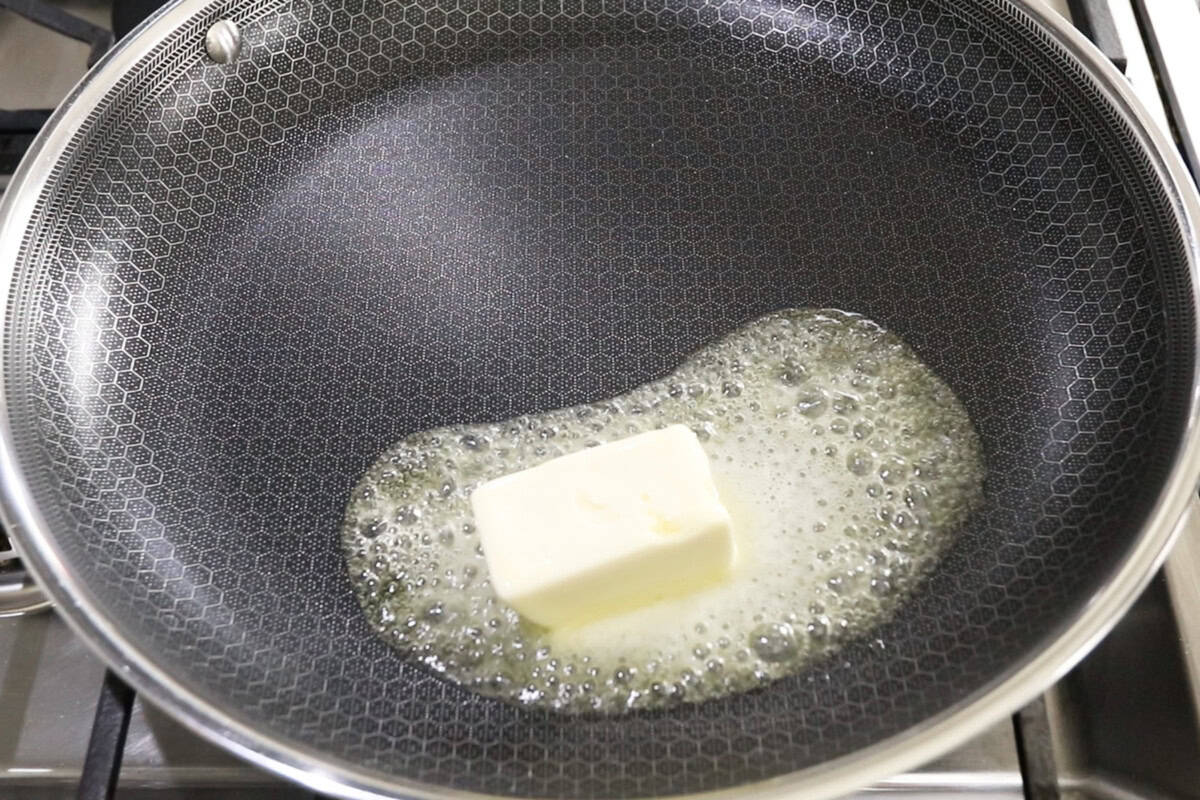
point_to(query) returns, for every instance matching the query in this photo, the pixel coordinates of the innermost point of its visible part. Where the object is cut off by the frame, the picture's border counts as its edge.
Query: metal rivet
(223, 41)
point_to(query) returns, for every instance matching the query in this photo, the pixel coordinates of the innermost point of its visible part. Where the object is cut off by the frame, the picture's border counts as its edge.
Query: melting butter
(846, 464)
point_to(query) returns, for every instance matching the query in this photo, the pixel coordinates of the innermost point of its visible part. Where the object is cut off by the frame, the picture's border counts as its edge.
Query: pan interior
(247, 280)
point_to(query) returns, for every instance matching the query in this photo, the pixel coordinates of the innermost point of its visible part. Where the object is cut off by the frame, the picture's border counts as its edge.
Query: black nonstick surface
(247, 280)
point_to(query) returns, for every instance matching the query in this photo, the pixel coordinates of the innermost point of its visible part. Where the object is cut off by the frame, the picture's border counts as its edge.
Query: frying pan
(234, 277)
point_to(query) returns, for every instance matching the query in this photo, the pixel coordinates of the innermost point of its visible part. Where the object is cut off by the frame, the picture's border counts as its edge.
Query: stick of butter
(606, 529)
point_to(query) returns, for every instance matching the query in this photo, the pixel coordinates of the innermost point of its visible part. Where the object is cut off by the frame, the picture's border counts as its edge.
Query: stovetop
(1124, 724)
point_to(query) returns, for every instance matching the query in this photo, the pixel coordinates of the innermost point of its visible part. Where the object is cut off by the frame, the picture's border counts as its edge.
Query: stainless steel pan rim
(933, 737)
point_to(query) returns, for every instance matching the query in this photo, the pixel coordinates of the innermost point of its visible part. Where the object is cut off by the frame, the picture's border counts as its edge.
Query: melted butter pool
(846, 464)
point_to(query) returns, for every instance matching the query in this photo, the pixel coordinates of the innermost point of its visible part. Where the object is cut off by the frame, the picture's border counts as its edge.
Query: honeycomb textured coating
(247, 280)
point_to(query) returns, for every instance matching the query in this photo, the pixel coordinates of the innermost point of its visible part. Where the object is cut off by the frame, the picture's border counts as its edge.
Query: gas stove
(1124, 724)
